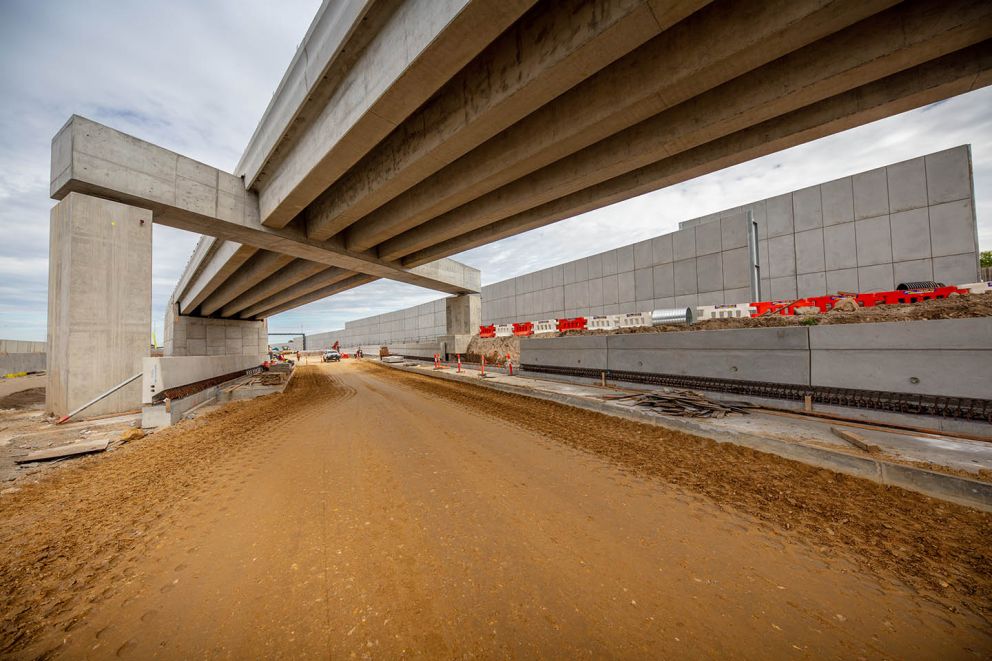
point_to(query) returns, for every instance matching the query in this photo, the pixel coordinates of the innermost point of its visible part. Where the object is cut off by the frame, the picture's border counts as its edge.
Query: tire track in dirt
(79, 525)
(939, 548)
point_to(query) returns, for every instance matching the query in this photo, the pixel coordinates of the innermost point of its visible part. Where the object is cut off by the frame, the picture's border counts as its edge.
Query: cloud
(190, 76)
(195, 78)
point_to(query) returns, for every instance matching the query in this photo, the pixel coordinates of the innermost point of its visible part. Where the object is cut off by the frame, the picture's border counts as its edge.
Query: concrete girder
(900, 38)
(255, 270)
(553, 48)
(335, 39)
(415, 51)
(319, 282)
(939, 79)
(226, 259)
(717, 43)
(90, 158)
(288, 276)
(324, 278)
(205, 247)
(337, 288)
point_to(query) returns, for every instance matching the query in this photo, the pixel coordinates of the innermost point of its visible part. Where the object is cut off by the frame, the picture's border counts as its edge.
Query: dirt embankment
(957, 307)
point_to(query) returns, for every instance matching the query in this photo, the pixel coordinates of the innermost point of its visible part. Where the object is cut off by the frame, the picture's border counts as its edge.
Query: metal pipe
(672, 316)
(752, 244)
(98, 398)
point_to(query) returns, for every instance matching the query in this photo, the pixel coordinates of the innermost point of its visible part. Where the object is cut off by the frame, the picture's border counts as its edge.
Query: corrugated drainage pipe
(672, 316)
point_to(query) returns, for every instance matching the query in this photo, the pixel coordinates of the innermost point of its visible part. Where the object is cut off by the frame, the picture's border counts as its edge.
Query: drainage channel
(949, 407)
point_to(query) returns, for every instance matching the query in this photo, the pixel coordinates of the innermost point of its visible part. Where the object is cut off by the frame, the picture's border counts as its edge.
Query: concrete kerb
(960, 490)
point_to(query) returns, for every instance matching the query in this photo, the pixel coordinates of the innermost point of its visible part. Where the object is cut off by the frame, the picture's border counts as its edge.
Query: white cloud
(195, 77)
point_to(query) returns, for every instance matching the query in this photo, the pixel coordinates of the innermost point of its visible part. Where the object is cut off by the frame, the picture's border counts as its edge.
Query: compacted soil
(375, 513)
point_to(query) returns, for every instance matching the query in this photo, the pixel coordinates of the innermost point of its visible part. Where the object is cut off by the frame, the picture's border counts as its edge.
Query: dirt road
(377, 514)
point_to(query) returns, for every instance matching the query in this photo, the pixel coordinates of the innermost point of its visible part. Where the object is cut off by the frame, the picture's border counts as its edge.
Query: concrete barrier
(582, 351)
(164, 372)
(415, 349)
(943, 357)
(777, 355)
(950, 357)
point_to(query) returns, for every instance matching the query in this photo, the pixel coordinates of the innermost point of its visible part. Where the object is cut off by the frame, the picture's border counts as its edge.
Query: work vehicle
(330, 357)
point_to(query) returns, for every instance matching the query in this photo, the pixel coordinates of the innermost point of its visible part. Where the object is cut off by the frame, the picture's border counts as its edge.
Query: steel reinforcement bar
(963, 408)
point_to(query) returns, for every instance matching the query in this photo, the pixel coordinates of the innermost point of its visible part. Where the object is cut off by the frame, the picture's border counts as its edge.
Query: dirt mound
(23, 399)
(494, 349)
(958, 307)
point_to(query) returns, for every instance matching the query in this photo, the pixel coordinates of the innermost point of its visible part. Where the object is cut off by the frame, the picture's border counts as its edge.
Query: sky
(195, 76)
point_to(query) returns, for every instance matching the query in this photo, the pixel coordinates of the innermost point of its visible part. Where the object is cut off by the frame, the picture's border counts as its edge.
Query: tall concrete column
(99, 303)
(463, 314)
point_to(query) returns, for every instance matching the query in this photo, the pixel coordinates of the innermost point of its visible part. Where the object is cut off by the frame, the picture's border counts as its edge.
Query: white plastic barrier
(731, 311)
(635, 319)
(504, 330)
(545, 326)
(977, 287)
(604, 322)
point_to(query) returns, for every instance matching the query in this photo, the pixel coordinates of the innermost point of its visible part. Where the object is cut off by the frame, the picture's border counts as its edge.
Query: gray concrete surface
(456, 143)
(164, 372)
(943, 357)
(812, 242)
(200, 336)
(99, 303)
(948, 357)
(12, 363)
(90, 158)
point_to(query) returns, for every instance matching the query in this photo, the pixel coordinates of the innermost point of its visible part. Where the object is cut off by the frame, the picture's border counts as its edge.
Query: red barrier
(523, 329)
(487, 331)
(867, 300)
(578, 323)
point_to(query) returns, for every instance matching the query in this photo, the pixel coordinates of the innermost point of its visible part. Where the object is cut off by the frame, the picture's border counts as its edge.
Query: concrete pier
(99, 303)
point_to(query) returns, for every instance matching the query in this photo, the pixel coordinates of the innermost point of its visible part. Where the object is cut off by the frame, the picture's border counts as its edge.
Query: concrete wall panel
(951, 357)
(910, 234)
(949, 175)
(952, 228)
(907, 182)
(838, 201)
(874, 241)
(871, 194)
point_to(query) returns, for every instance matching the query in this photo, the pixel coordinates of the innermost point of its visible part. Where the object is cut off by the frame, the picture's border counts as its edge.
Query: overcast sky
(194, 76)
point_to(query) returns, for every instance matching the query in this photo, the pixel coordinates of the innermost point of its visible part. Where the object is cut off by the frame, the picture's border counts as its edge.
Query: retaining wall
(164, 372)
(946, 357)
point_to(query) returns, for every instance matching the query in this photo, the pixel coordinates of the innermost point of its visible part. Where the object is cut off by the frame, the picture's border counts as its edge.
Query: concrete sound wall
(420, 323)
(22, 356)
(948, 357)
(908, 221)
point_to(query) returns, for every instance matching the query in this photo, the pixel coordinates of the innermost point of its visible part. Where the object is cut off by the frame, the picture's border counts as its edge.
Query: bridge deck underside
(566, 107)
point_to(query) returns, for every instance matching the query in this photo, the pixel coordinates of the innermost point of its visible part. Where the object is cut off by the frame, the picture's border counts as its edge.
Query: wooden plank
(854, 439)
(74, 449)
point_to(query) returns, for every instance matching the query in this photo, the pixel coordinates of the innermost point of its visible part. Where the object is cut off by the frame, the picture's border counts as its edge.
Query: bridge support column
(463, 314)
(99, 303)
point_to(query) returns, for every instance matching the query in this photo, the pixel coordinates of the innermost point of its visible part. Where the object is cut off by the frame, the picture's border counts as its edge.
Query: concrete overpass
(407, 131)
